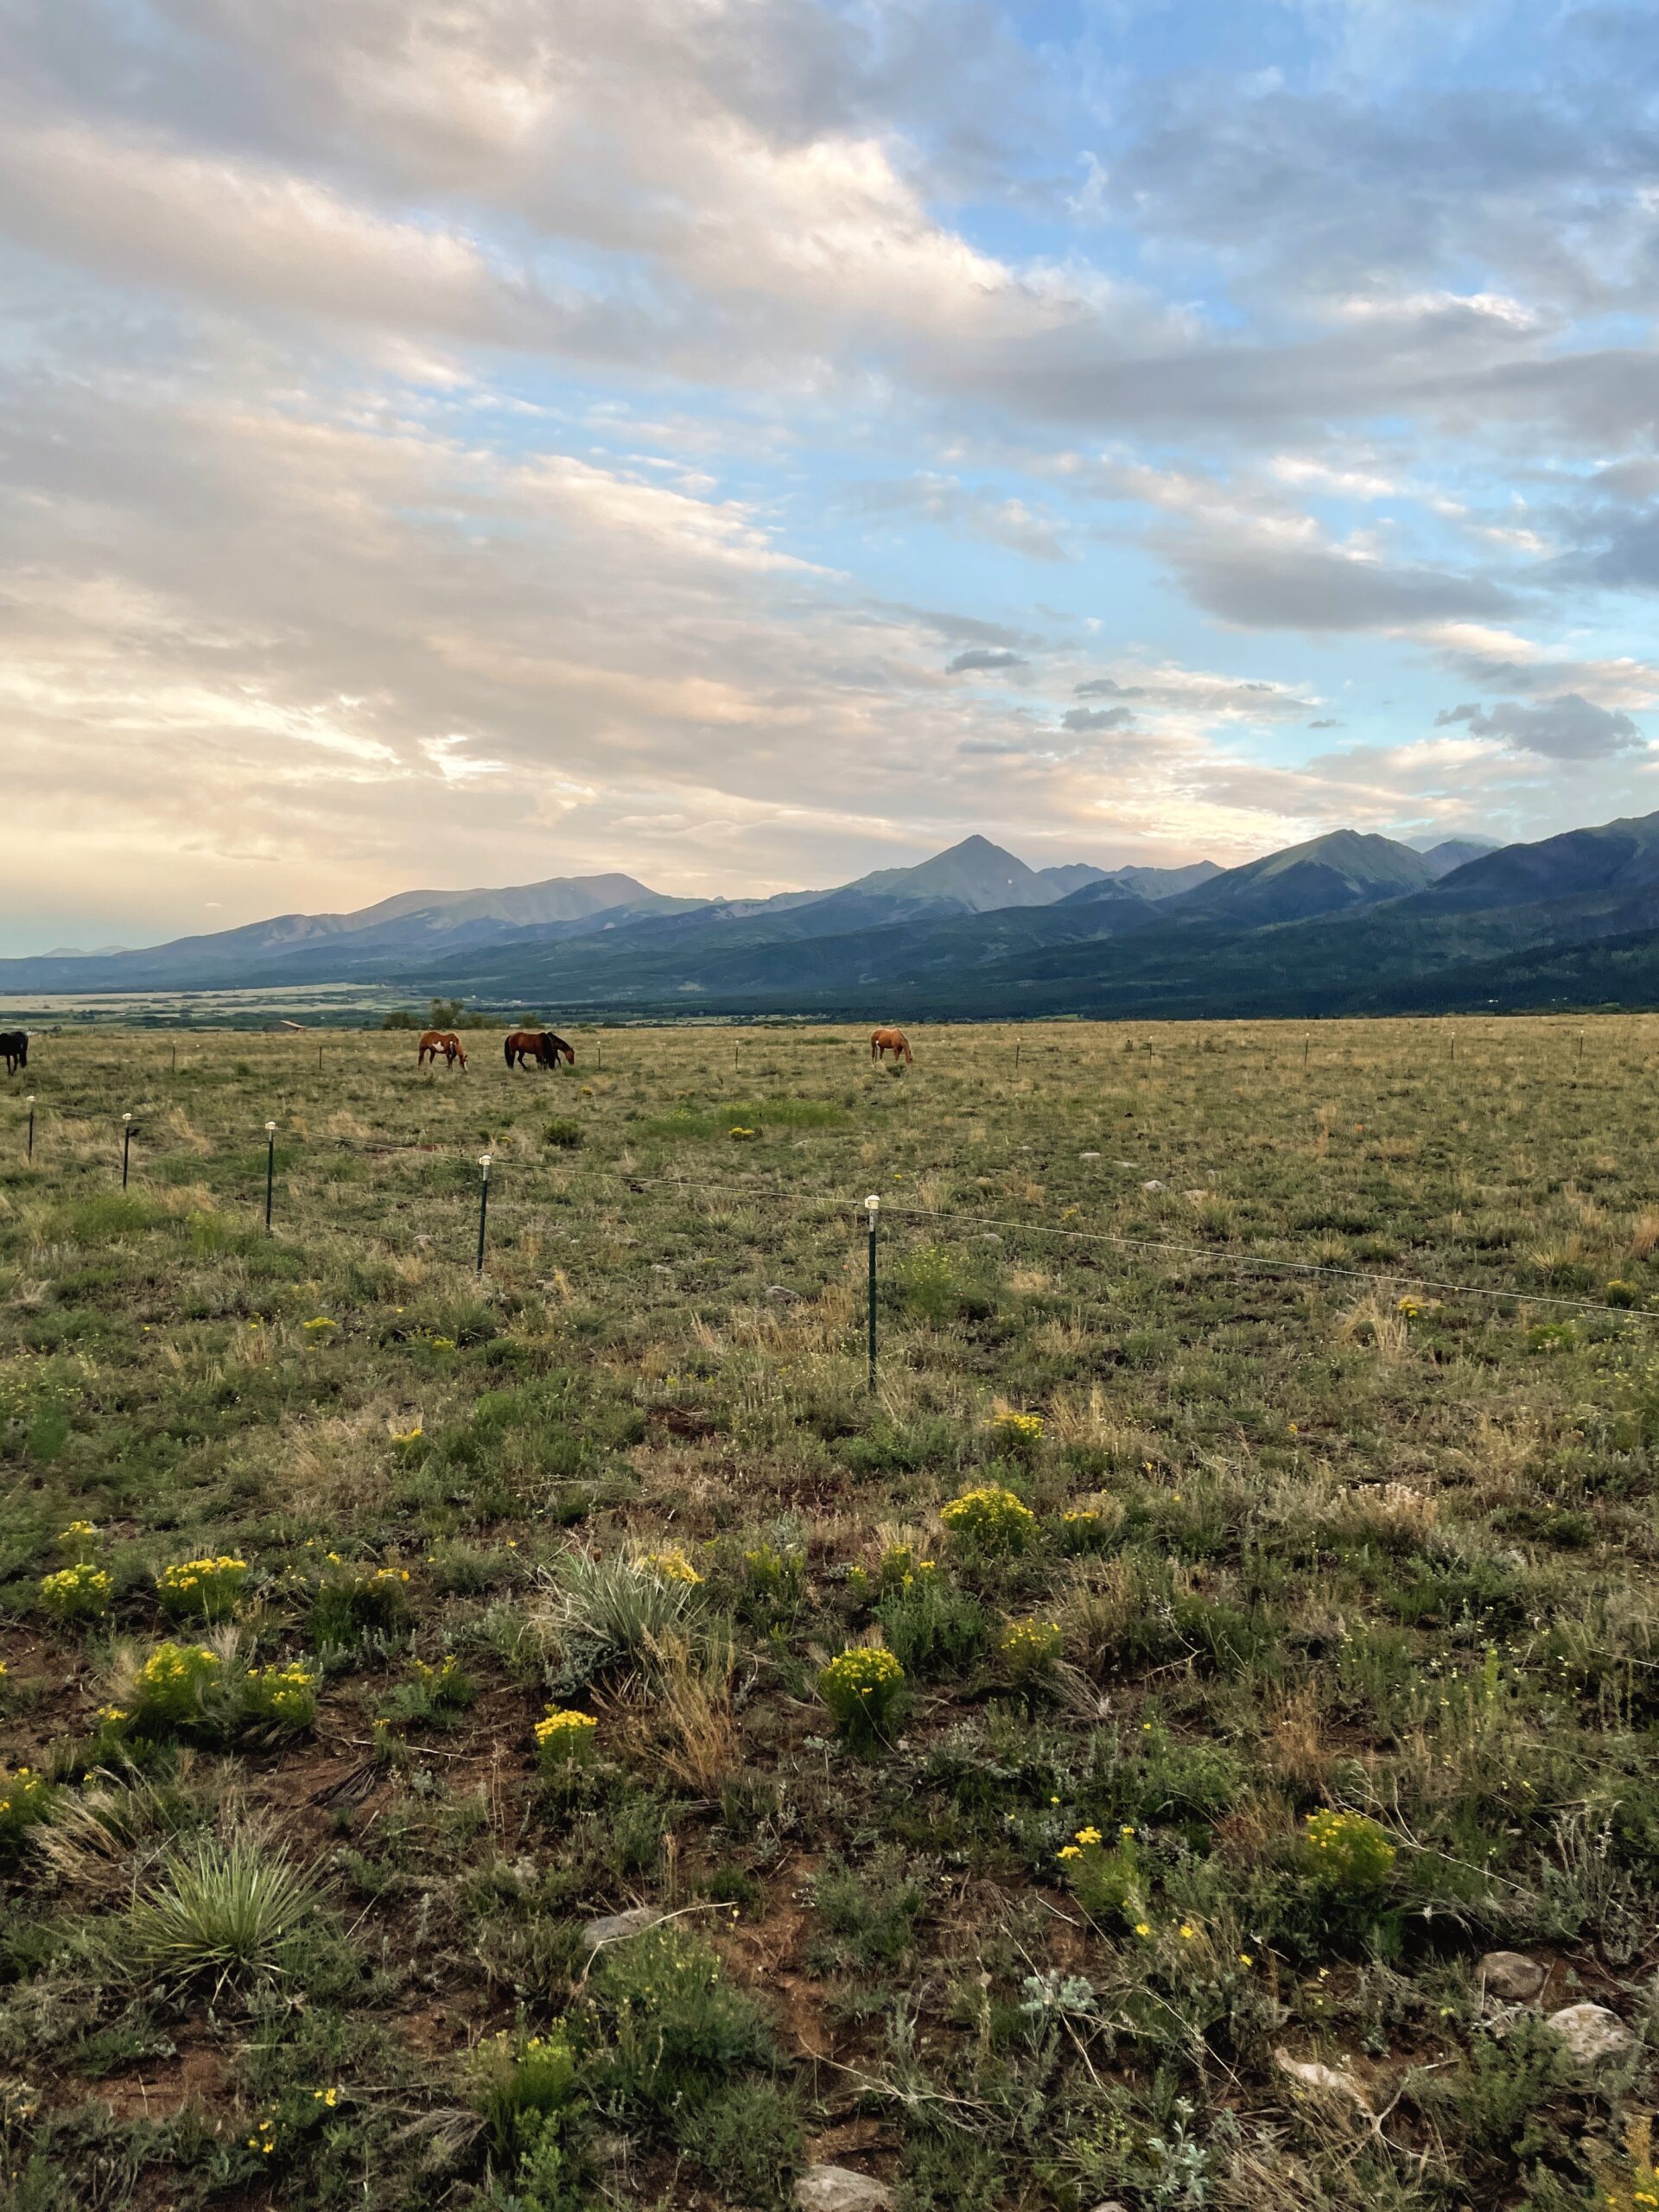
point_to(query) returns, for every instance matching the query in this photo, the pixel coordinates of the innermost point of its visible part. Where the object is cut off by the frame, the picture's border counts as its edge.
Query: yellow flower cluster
(1023, 1427)
(172, 1663)
(744, 1136)
(991, 1517)
(78, 1533)
(322, 1321)
(77, 1592)
(202, 1585)
(672, 1565)
(1030, 1647)
(264, 2141)
(287, 1694)
(24, 1798)
(1084, 1839)
(1347, 1850)
(563, 1738)
(866, 1671)
(561, 1721)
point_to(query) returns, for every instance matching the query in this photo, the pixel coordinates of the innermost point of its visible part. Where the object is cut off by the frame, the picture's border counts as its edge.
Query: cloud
(985, 658)
(1097, 718)
(1567, 728)
(1325, 722)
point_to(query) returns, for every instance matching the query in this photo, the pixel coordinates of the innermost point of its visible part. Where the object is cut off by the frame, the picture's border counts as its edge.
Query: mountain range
(1345, 923)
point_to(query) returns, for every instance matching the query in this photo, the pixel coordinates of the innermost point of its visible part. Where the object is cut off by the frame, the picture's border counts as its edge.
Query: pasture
(1265, 1644)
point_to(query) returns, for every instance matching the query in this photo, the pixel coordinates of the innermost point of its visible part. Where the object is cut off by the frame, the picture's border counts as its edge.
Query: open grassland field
(1094, 1767)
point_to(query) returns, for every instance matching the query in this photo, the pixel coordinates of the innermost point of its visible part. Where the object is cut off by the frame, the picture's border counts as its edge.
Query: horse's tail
(509, 1052)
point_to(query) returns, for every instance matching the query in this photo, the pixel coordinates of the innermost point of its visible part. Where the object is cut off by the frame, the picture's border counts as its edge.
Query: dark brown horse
(541, 1046)
(13, 1043)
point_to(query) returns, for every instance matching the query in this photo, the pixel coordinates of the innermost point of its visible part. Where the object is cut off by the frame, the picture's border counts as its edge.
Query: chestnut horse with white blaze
(542, 1046)
(883, 1041)
(435, 1041)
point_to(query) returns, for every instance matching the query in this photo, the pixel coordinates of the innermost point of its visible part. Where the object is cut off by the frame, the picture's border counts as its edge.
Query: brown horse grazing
(435, 1041)
(883, 1041)
(541, 1046)
(14, 1044)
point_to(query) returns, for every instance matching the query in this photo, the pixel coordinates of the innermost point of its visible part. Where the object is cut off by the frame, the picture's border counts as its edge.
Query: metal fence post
(483, 1204)
(872, 1205)
(270, 1170)
(31, 1125)
(126, 1147)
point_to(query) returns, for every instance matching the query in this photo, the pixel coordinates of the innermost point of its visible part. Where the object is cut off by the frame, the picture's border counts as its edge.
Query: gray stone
(616, 1925)
(1153, 1185)
(1591, 2032)
(1511, 1977)
(781, 1294)
(1091, 1156)
(838, 2189)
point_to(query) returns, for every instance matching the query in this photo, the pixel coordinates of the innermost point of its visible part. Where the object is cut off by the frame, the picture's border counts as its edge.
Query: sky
(746, 442)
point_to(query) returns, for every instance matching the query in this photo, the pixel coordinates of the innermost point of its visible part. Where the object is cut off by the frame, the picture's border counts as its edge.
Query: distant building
(284, 1029)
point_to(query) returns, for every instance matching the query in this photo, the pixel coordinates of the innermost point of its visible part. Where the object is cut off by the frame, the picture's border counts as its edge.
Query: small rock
(1312, 2076)
(1112, 2204)
(658, 1269)
(1511, 1977)
(617, 1925)
(1591, 2032)
(1091, 1156)
(1153, 1185)
(781, 1294)
(990, 1237)
(838, 2189)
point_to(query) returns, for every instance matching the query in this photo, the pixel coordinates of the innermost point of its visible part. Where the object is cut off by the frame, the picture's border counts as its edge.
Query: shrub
(519, 2084)
(861, 1686)
(219, 1909)
(774, 1583)
(932, 1626)
(1085, 1529)
(286, 1696)
(352, 1601)
(25, 1798)
(990, 1518)
(564, 1136)
(564, 1739)
(673, 2014)
(1106, 1880)
(431, 1693)
(1028, 1650)
(1016, 1435)
(80, 1592)
(170, 1688)
(207, 1588)
(748, 2137)
(1346, 1852)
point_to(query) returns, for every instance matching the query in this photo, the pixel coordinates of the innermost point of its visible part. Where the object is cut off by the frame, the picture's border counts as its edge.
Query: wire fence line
(472, 1191)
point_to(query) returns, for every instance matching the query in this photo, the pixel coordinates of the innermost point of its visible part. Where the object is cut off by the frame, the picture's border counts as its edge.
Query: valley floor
(1248, 1553)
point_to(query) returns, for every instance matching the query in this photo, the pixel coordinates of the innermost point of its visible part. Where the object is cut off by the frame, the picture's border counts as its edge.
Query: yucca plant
(219, 1909)
(617, 1615)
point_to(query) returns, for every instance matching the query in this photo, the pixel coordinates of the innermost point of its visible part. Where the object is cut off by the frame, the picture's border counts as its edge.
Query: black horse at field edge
(13, 1043)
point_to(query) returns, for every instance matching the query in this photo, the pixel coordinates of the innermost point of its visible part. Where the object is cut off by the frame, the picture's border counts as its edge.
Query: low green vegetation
(553, 1739)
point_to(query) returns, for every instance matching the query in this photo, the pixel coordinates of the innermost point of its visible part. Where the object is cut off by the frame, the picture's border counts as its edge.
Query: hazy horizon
(749, 443)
